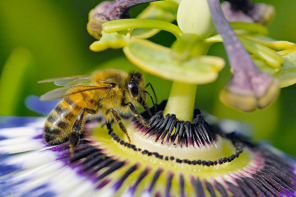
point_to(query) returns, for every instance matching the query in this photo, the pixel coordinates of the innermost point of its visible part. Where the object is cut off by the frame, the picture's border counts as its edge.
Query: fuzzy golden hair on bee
(111, 92)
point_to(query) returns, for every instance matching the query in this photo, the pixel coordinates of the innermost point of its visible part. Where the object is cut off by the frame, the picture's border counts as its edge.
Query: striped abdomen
(60, 121)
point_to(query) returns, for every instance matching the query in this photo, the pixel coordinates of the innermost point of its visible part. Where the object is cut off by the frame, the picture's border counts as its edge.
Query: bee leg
(109, 127)
(136, 113)
(117, 118)
(77, 129)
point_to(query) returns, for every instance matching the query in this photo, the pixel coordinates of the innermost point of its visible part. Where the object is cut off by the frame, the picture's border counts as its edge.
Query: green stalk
(182, 95)
(181, 101)
(123, 24)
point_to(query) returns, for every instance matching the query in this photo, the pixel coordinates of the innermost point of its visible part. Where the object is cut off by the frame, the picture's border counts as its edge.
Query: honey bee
(105, 91)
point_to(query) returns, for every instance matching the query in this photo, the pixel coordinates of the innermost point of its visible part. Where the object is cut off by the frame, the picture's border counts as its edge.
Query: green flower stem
(182, 95)
(181, 101)
(123, 24)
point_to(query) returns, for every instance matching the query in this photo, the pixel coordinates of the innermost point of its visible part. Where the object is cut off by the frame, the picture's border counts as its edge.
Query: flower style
(183, 152)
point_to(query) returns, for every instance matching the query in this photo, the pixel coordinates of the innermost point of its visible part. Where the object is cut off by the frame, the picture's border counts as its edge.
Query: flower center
(219, 149)
(173, 138)
(169, 139)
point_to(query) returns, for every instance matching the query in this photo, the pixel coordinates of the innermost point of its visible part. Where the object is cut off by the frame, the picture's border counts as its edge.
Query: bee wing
(55, 94)
(68, 81)
(64, 91)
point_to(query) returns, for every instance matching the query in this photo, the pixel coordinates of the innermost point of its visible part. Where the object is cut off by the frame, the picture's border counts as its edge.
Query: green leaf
(12, 80)
(158, 60)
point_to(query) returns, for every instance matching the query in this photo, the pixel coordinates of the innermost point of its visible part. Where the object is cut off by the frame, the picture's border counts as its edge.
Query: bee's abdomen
(60, 121)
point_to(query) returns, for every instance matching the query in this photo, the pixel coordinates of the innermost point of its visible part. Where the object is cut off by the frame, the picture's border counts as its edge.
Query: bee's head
(136, 88)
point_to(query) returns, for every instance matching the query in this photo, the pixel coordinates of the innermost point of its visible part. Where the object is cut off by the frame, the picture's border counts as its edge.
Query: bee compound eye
(133, 89)
(112, 85)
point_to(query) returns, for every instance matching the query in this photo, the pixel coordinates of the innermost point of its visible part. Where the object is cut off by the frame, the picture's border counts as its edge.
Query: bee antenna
(149, 84)
(151, 99)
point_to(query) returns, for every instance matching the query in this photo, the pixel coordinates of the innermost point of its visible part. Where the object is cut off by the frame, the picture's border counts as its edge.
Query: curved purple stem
(247, 79)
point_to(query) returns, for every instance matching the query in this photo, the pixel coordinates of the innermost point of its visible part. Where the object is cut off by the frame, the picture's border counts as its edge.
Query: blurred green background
(48, 39)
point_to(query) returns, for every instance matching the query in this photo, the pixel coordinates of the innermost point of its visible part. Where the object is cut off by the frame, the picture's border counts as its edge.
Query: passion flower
(182, 152)
(171, 158)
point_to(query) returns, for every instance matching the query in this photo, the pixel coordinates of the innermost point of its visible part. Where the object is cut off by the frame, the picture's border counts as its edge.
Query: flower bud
(194, 17)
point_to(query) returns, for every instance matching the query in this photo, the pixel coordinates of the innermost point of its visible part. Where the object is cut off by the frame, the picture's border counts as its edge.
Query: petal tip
(248, 101)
